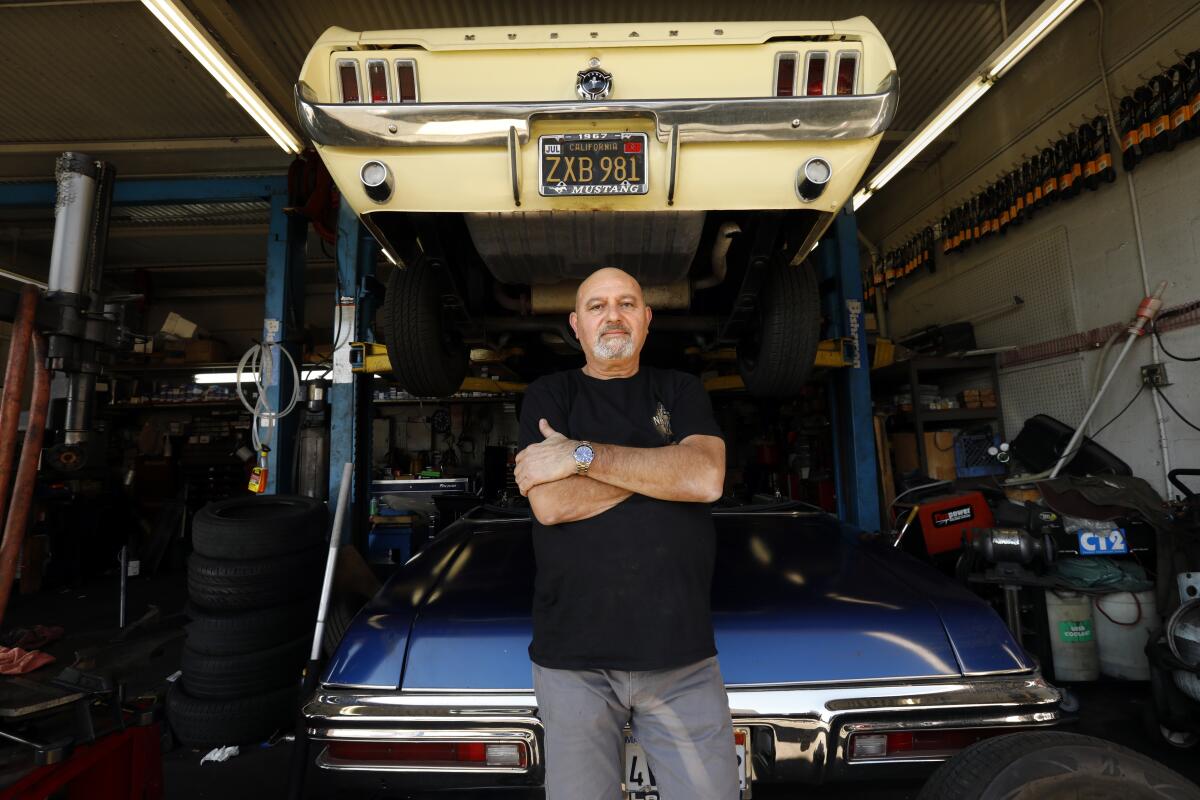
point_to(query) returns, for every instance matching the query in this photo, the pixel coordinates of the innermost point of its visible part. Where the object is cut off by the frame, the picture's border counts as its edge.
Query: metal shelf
(936, 416)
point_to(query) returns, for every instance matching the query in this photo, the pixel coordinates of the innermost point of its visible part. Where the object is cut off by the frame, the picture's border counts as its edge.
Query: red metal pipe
(27, 469)
(14, 387)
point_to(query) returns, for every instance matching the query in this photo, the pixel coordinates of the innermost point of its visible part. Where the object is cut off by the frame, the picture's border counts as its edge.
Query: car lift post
(850, 387)
(283, 322)
(350, 392)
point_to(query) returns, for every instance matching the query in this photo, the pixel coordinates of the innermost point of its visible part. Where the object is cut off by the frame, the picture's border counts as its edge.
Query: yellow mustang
(498, 166)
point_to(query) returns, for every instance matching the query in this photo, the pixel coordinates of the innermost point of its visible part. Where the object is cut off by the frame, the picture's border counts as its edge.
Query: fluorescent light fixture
(184, 27)
(1044, 19)
(932, 129)
(248, 377)
(1040, 23)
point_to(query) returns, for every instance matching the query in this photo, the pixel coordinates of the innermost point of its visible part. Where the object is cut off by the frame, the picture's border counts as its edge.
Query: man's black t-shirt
(628, 588)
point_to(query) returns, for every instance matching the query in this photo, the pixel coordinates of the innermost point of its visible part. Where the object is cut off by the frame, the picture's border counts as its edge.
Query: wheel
(208, 677)
(258, 527)
(223, 585)
(1048, 765)
(428, 358)
(230, 634)
(210, 723)
(777, 357)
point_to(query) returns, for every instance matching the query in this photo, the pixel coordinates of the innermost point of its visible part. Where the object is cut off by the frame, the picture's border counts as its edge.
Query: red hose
(27, 469)
(14, 388)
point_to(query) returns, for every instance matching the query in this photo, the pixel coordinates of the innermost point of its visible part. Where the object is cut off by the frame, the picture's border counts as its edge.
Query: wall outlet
(1155, 375)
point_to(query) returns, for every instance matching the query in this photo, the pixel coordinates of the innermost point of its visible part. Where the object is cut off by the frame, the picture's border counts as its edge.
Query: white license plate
(639, 782)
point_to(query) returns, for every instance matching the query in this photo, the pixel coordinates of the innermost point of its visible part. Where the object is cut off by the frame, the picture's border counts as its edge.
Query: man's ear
(574, 320)
(649, 316)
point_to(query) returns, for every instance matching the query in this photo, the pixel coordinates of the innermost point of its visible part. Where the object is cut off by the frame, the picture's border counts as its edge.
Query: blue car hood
(796, 599)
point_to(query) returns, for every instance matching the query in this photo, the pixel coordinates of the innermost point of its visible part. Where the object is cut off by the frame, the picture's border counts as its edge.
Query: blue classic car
(844, 659)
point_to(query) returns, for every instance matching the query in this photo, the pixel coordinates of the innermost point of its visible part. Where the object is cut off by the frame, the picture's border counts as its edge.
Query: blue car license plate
(640, 781)
(1103, 543)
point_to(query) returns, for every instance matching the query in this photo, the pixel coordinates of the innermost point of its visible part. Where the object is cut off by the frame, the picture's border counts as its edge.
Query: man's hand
(545, 462)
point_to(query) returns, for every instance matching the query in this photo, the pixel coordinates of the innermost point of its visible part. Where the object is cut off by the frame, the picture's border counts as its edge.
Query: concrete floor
(1110, 710)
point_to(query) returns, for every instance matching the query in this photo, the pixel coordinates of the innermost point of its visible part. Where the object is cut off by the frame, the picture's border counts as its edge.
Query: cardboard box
(175, 325)
(939, 453)
(203, 351)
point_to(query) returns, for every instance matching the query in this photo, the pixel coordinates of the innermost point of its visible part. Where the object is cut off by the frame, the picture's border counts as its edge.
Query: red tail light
(847, 73)
(377, 81)
(917, 744)
(406, 80)
(785, 75)
(814, 80)
(433, 754)
(348, 77)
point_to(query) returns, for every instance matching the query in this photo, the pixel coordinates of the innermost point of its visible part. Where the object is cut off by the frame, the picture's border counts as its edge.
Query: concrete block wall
(1076, 263)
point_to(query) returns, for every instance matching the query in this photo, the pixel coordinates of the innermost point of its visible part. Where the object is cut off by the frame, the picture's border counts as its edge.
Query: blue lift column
(283, 321)
(349, 393)
(850, 387)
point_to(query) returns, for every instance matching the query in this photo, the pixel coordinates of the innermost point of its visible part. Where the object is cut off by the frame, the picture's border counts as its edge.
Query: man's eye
(627, 305)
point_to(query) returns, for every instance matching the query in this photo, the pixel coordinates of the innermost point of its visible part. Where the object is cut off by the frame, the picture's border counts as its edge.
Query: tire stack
(254, 579)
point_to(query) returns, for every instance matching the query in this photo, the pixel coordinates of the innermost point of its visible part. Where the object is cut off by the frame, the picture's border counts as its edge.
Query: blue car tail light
(927, 744)
(431, 754)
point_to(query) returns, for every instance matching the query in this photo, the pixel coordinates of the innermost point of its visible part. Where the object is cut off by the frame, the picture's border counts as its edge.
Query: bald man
(620, 463)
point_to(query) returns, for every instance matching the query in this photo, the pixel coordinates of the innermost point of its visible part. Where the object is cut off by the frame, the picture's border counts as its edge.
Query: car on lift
(844, 659)
(497, 167)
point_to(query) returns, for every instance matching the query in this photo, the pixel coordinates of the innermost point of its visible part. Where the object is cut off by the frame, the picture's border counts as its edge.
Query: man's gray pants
(680, 716)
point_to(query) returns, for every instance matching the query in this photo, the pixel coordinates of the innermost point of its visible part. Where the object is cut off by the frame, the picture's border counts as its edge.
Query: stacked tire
(254, 579)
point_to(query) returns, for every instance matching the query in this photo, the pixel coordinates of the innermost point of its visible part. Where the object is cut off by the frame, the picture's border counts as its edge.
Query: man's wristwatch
(584, 455)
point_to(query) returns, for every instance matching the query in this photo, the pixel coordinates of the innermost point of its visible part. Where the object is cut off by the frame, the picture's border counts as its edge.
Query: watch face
(584, 454)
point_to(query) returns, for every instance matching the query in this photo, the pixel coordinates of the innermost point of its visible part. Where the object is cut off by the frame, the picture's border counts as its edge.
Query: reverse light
(812, 178)
(376, 180)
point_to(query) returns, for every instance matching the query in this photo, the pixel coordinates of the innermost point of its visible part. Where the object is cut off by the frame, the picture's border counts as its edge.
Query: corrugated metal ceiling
(105, 71)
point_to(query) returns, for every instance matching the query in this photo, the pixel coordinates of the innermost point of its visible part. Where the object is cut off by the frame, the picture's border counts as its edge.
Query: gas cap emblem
(593, 83)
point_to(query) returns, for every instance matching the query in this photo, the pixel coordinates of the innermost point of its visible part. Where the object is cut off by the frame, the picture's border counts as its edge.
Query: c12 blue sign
(1103, 543)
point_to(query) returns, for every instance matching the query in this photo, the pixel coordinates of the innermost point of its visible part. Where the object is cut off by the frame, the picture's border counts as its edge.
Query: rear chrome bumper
(799, 734)
(738, 119)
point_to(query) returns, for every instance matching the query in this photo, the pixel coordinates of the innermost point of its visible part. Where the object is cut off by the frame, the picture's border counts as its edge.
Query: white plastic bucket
(1072, 636)
(1123, 622)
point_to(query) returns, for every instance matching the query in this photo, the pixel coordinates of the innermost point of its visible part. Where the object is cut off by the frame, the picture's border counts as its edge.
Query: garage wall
(1075, 265)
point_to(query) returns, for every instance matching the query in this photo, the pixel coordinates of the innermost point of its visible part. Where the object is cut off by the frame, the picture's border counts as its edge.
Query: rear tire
(428, 358)
(1049, 765)
(777, 357)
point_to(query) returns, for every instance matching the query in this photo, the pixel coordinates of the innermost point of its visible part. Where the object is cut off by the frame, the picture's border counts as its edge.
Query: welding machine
(941, 522)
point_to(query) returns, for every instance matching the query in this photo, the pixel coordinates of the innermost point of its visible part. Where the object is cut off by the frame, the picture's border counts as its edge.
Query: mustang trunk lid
(795, 600)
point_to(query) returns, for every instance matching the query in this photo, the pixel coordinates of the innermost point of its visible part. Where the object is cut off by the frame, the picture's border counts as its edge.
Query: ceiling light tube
(184, 27)
(933, 128)
(1041, 22)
